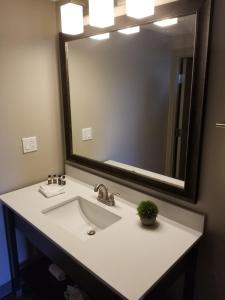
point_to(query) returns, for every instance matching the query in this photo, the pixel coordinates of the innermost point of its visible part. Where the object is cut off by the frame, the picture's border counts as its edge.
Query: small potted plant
(147, 211)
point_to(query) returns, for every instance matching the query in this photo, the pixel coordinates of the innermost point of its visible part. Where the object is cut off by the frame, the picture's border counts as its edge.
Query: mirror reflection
(130, 97)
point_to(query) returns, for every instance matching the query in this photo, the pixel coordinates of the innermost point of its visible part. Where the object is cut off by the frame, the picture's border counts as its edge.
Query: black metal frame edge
(189, 193)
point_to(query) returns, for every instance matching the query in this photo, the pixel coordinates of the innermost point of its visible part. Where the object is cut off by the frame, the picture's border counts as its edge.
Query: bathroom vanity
(133, 112)
(123, 260)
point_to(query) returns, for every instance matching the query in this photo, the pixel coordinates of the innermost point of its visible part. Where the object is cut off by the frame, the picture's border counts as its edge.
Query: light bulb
(101, 13)
(72, 18)
(140, 8)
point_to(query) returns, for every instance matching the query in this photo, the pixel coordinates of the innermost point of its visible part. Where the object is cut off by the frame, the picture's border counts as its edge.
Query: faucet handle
(96, 187)
(111, 196)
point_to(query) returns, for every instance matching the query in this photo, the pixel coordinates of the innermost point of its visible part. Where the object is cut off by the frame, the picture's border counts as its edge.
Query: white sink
(81, 217)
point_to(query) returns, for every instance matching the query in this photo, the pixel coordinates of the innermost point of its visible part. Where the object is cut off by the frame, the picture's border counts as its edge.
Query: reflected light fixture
(139, 9)
(166, 22)
(72, 18)
(101, 13)
(99, 37)
(130, 30)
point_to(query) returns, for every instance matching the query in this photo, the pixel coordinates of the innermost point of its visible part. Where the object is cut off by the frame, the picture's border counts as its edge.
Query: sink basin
(81, 217)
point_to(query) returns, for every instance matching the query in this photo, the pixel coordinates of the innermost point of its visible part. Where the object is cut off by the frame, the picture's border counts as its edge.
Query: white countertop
(128, 257)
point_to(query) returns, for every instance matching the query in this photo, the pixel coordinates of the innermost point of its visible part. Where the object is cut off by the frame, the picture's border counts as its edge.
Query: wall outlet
(87, 134)
(29, 144)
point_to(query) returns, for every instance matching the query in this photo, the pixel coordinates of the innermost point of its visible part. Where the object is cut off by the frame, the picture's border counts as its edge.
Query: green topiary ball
(147, 209)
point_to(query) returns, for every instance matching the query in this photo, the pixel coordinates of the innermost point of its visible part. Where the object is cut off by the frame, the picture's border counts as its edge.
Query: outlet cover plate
(29, 144)
(87, 134)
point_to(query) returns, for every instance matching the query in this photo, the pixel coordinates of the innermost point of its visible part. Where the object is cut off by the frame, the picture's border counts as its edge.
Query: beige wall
(29, 92)
(29, 100)
(211, 201)
(120, 88)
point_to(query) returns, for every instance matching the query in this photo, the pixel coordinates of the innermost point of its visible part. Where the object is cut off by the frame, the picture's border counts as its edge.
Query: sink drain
(91, 232)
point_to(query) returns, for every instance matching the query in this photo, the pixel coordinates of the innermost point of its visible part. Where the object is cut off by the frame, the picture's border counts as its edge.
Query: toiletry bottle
(49, 179)
(63, 180)
(54, 179)
(60, 180)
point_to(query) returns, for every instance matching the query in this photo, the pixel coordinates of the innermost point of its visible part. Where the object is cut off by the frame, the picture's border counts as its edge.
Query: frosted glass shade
(100, 37)
(166, 22)
(130, 30)
(72, 18)
(101, 13)
(139, 9)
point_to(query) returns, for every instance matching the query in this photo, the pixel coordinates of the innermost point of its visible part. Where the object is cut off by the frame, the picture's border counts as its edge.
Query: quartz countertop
(126, 256)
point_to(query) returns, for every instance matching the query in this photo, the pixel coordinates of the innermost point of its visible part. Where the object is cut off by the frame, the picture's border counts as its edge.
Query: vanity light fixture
(139, 9)
(166, 22)
(130, 30)
(101, 13)
(99, 37)
(72, 18)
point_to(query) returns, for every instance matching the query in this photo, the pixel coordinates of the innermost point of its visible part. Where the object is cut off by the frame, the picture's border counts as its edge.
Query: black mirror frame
(203, 10)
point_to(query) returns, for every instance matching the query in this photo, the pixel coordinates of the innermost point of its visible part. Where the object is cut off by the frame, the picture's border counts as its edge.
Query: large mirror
(129, 95)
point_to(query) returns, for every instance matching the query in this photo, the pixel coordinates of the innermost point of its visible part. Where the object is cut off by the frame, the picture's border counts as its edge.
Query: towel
(57, 272)
(51, 190)
(73, 293)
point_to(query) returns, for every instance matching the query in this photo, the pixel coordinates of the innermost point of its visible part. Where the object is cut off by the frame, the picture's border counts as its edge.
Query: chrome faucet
(103, 195)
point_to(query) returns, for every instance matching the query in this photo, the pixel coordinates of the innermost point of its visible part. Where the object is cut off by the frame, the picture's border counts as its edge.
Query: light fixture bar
(99, 37)
(72, 18)
(166, 22)
(139, 9)
(101, 13)
(130, 30)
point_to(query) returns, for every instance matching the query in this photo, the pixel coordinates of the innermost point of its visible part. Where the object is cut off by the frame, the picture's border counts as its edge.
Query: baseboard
(5, 289)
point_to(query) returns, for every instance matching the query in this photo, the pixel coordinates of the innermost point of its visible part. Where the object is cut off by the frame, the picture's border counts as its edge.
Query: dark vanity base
(87, 281)
(38, 283)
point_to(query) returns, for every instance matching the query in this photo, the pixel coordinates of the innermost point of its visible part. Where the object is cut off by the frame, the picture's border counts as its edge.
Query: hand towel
(57, 272)
(51, 190)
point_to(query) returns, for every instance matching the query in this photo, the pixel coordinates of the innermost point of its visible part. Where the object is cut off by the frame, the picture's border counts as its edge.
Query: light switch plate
(87, 134)
(29, 144)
